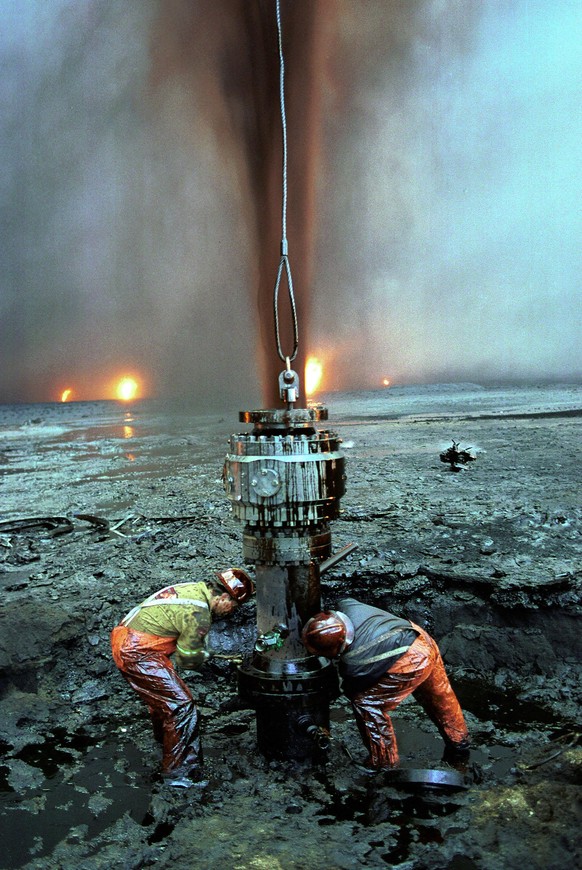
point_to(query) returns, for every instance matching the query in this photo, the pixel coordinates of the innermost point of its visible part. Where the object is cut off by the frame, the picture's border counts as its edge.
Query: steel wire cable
(284, 263)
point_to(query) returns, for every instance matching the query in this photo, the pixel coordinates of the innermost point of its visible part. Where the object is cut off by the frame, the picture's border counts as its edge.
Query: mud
(486, 558)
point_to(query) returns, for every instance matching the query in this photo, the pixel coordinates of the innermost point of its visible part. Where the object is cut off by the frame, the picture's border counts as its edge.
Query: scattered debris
(55, 525)
(457, 457)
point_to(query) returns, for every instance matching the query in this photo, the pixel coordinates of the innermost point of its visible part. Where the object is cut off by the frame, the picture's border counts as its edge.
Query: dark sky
(445, 220)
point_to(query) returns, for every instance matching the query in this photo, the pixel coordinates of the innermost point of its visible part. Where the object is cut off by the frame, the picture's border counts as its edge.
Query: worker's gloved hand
(192, 661)
(229, 657)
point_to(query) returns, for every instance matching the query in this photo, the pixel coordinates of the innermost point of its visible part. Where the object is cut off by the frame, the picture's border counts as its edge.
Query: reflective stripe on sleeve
(374, 642)
(186, 652)
(162, 602)
(386, 655)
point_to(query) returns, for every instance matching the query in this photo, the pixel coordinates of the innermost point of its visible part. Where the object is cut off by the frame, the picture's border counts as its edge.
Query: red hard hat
(328, 633)
(237, 583)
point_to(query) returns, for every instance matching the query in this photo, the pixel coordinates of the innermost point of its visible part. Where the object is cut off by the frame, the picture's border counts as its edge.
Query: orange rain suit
(415, 666)
(174, 620)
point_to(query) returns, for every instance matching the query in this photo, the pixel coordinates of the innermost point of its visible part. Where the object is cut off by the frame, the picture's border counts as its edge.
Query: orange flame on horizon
(66, 395)
(313, 375)
(127, 389)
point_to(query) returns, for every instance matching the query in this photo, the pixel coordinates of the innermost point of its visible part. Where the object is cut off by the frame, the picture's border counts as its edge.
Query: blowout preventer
(284, 480)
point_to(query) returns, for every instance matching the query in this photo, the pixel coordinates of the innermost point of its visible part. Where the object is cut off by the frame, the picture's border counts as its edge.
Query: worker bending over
(175, 621)
(382, 660)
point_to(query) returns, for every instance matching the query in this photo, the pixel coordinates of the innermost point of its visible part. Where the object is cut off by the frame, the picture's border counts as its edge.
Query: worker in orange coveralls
(382, 660)
(174, 621)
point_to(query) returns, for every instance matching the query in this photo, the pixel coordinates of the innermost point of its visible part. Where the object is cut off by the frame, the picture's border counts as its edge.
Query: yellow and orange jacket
(181, 611)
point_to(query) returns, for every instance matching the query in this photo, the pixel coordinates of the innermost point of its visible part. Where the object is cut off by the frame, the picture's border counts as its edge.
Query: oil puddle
(415, 812)
(87, 782)
(421, 747)
(76, 780)
(412, 819)
(502, 705)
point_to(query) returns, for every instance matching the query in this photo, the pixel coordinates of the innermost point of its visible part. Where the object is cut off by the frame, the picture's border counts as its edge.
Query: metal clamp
(289, 384)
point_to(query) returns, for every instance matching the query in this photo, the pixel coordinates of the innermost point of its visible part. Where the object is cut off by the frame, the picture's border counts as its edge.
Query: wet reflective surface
(91, 781)
(485, 559)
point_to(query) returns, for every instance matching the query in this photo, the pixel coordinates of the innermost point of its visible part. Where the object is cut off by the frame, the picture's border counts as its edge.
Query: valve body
(284, 481)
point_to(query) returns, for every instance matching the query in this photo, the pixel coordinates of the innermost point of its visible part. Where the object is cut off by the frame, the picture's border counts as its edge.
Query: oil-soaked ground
(487, 558)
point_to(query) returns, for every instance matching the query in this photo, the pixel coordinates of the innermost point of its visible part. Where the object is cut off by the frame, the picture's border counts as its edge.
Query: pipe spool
(284, 481)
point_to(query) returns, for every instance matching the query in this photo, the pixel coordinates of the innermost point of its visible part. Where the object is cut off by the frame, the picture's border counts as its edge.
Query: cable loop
(284, 262)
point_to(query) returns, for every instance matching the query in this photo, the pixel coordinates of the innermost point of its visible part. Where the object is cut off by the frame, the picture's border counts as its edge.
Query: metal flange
(280, 418)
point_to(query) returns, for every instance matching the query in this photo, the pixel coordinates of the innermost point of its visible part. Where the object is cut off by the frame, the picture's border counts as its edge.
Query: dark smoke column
(252, 91)
(225, 55)
(285, 480)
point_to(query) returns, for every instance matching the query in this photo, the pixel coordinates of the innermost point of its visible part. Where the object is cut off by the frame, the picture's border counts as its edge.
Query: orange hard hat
(328, 633)
(237, 583)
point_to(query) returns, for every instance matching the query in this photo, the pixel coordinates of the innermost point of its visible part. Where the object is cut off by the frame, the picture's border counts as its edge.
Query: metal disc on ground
(422, 779)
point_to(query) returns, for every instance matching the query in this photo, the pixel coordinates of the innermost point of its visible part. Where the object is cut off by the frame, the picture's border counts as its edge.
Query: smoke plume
(433, 190)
